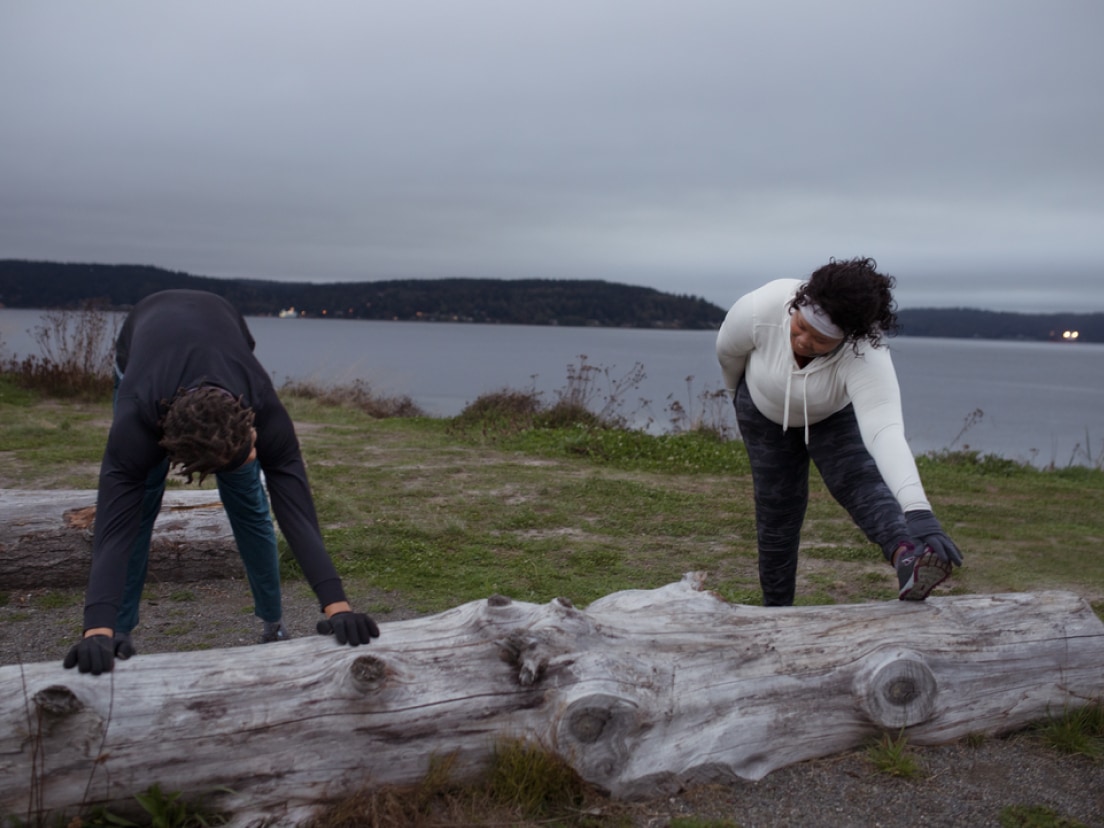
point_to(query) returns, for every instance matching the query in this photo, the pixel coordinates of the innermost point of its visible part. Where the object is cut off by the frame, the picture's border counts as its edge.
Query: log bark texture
(46, 538)
(644, 692)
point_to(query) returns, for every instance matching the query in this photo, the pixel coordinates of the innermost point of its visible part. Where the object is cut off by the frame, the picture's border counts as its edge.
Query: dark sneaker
(919, 574)
(273, 631)
(124, 647)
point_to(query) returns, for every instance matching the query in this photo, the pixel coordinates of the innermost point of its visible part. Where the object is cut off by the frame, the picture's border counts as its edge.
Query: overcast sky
(695, 146)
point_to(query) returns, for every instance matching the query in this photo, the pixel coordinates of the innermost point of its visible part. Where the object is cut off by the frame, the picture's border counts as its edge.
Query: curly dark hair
(205, 430)
(856, 297)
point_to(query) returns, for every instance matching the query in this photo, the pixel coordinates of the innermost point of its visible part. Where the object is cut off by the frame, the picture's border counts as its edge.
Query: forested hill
(980, 324)
(26, 284)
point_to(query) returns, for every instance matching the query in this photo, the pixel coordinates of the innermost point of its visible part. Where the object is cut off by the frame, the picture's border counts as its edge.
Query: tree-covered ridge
(981, 324)
(25, 284)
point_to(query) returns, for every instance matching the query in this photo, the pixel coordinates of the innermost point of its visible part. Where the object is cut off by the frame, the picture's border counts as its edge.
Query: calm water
(1039, 402)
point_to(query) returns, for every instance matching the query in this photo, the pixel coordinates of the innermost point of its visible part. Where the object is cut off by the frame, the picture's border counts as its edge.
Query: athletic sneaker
(919, 574)
(273, 631)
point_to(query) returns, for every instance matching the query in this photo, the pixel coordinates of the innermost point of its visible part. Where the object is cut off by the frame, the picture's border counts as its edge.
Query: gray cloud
(699, 147)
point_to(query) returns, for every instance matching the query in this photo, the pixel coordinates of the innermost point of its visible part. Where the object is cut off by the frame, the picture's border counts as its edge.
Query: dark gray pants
(780, 474)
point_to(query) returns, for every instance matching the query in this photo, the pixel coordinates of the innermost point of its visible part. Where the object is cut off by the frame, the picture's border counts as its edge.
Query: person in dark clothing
(190, 394)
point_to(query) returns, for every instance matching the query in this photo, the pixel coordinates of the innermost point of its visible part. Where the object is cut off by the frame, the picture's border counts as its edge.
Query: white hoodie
(754, 340)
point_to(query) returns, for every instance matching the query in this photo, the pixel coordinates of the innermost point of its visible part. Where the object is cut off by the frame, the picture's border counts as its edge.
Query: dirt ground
(961, 785)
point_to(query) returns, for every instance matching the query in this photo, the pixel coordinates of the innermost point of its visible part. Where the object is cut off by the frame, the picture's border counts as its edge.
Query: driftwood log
(46, 538)
(643, 692)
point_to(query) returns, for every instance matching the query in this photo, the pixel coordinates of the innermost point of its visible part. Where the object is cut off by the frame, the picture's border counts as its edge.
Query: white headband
(814, 314)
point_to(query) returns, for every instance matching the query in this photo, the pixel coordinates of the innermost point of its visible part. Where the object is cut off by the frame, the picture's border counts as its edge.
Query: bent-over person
(190, 395)
(811, 379)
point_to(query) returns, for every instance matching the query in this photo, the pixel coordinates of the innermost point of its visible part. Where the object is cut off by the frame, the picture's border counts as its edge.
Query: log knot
(598, 732)
(66, 720)
(902, 690)
(525, 653)
(587, 723)
(369, 673)
(896, 688)
(58, 701)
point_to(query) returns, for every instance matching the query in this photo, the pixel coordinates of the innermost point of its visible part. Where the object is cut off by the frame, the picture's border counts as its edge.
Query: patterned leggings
(780, 474)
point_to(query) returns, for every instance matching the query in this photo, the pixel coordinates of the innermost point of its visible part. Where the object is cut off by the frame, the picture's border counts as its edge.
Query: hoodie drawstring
(804, 402)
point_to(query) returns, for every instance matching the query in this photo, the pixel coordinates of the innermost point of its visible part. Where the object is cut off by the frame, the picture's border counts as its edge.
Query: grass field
(436, 512)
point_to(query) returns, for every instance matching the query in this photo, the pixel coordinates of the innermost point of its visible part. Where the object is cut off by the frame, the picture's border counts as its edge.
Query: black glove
(94, 654)
(352, 628)
(124, 647)
(923, 525)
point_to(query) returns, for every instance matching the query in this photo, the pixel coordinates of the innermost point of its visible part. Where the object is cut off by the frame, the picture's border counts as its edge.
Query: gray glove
(923, 526)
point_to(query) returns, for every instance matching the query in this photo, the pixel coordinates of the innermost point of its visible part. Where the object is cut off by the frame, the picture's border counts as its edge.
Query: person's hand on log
(346, 626)
(923, 525)
(94, 653)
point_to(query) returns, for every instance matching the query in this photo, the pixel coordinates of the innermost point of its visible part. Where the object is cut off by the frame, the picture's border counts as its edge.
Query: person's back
(181, 339)
(192, 395)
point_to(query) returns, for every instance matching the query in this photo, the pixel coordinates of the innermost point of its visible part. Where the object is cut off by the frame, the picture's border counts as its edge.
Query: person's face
(806, 340)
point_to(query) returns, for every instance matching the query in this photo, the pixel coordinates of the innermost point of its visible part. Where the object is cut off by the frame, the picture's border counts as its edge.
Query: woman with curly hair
(811, 378)
(191, 395)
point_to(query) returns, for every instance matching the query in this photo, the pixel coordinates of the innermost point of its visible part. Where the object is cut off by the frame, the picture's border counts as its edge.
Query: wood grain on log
(46, 538)
(644, 692)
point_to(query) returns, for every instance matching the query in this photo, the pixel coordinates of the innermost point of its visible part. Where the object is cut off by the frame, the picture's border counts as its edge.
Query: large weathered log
(643, 693)
(46, 538)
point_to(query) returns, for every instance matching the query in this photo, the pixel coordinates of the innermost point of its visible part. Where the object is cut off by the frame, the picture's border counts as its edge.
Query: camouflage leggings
(780, 474)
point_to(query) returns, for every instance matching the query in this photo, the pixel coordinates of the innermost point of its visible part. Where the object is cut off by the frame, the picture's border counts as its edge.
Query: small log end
(896, 688)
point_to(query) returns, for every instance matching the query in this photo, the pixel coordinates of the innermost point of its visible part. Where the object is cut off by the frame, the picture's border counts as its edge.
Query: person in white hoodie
(811, 378)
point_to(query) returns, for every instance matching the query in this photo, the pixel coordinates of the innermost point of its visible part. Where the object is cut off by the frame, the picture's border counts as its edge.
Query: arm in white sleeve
(735, 340)
(876, 395)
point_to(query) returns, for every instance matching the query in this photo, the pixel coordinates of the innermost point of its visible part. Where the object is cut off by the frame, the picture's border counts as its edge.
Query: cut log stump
(644, 692)
(46, 538)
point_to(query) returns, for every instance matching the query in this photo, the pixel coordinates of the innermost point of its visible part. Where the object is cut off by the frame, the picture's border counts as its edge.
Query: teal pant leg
(138, 563)
(243, 496)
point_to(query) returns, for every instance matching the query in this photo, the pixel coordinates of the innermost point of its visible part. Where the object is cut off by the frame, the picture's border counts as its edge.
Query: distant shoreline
(30, 285)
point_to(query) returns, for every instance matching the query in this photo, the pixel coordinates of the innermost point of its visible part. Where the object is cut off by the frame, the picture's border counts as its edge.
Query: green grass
(12, 394)
(1079, 731)
(433, 513)
(437, 512)
(61, 442)
(55, 599)
(1035, 816)
(160, 809)
(894, 757)
(524, 784)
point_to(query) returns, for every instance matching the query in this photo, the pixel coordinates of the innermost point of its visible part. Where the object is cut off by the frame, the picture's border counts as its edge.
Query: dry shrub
(505, 410)
(358, 395)
(77, 352)
(591, 398)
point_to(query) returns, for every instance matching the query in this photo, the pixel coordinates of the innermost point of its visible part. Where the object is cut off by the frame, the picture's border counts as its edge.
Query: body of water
(1032, 401)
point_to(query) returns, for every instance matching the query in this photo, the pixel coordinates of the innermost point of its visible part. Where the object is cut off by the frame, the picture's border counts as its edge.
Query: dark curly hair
(205, 430)
(856, 297)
